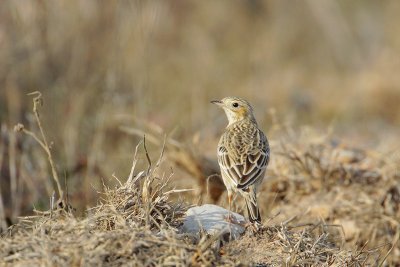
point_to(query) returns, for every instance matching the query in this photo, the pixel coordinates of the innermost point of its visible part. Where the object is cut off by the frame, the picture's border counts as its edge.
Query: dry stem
(38, 101)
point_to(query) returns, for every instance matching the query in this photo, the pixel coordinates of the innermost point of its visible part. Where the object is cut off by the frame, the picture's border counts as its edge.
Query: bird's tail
(252, 207)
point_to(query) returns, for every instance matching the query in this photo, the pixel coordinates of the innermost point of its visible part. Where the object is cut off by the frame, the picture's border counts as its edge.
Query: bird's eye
(235, 105)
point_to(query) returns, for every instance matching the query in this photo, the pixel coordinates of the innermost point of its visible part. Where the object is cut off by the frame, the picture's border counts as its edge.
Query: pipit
(243, 154)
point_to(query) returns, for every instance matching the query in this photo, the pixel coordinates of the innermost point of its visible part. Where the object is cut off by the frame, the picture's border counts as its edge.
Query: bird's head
(236, 109)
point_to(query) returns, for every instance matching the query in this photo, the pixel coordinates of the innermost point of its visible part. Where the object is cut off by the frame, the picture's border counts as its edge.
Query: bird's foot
(232, 220)
(254, 227)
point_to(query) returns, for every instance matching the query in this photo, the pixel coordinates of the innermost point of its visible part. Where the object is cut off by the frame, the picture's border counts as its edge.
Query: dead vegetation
(352, 193)
(304, 245)
(132, 224)
(201, 167)
(334, 206)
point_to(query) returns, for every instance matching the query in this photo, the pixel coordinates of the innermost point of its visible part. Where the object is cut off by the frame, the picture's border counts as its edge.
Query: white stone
(213, 220)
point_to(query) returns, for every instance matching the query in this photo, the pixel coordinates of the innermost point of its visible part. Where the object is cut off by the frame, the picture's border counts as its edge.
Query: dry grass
(352, 193)
(132, 224)
(137, 224)
(337, 211)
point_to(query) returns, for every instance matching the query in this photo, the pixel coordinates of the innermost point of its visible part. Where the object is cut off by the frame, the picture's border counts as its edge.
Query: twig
(38, 101)
(162, 153)
(394, 242)
(52, 203)
(147, 154)
(12, 164)
(3, 224)
(134, 162)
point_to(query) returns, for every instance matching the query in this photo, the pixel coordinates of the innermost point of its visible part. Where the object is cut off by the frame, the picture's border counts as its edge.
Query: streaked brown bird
(243, 154)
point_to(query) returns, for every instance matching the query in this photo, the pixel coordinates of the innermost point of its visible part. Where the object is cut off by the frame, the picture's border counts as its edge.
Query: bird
(243, 154)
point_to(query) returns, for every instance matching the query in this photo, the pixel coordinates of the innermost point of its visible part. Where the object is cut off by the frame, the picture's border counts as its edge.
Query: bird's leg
(230, 217)
(230, 200)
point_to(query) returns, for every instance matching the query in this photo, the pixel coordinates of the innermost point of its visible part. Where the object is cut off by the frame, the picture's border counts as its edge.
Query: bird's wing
(227, 165)
(247, 170)
(253, 167)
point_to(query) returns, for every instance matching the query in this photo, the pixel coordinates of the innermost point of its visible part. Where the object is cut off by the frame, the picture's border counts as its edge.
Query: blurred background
(101, 65)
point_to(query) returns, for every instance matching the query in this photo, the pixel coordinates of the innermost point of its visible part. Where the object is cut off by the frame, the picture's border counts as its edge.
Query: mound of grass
(137, 224)
(328, 205)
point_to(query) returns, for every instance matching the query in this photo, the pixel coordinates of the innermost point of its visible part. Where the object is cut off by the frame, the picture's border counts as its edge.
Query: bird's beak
(217, 102)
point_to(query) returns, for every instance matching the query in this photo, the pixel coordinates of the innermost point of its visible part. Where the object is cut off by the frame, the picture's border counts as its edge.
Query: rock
(212, 220)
